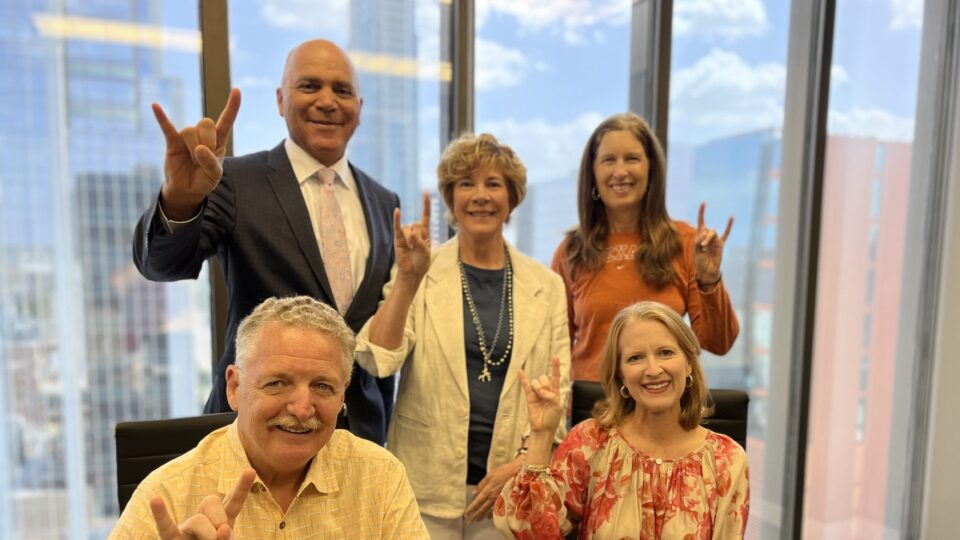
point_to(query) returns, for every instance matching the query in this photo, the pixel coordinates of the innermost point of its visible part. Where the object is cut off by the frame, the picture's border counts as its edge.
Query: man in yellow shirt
(281, 470)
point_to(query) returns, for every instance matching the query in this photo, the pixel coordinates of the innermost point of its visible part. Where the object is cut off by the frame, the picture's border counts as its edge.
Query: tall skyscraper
(854, 388)
(547, 212)
(385, 144)
(84, 340)
(866, 185)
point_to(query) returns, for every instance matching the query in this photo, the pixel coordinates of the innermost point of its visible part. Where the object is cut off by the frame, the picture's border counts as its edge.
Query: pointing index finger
(227, 116)
(233, 502)
(703, 206)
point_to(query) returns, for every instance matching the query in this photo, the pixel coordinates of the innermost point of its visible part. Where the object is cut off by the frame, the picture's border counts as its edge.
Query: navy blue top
(486, 287)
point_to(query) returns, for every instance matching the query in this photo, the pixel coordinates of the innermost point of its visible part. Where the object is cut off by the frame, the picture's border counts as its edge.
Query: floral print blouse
(614, 491)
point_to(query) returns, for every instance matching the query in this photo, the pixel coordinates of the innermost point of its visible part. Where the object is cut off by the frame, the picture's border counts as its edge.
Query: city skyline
(83, 157)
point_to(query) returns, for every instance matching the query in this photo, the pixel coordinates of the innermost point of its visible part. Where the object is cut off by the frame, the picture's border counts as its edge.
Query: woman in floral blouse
(643, 467)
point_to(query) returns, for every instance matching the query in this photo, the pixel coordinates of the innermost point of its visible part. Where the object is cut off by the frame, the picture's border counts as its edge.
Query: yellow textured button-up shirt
(353, 489)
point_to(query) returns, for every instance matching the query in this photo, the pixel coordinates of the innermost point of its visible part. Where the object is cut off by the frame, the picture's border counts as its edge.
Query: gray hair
(298, 312)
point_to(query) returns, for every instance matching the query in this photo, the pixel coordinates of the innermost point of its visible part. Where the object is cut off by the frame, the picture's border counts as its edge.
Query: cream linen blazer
(428, 431)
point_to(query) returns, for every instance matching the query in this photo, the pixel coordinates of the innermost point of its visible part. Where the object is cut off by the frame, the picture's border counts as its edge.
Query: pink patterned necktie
(333, 242)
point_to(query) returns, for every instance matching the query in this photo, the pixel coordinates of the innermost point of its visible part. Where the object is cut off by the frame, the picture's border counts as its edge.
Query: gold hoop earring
(689, 380)
(624, 392)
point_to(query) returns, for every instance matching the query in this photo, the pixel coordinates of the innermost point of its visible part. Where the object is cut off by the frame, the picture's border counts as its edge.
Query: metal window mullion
(650, 48)
(457, 38)
(461, 104)
(663, 35)
(215, 84)
(935, 138)
(809, 59)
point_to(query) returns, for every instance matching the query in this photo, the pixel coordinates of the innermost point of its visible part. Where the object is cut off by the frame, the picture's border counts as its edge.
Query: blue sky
(548, 70)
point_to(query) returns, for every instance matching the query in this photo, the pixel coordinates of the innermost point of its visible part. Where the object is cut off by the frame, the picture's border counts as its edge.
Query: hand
(708, 249)
(194, 159)
(543, 400)
(488, 489)
(214, 518)
(412, 243)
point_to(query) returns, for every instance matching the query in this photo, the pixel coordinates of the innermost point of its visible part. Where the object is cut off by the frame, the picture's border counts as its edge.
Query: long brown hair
(661, 242)
(695, 403)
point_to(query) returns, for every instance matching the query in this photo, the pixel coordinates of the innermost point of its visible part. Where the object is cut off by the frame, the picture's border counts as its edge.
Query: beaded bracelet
(535, 468)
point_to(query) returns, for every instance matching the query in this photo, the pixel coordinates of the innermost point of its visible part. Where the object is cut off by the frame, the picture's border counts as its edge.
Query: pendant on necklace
(484, 375)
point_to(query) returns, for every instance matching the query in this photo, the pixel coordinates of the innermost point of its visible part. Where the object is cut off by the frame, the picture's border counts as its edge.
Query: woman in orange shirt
(627, 249)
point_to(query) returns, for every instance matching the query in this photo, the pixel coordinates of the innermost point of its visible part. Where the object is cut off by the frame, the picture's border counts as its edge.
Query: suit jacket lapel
(444, 310)
(284, 183)
(530, 313)
(381, 241)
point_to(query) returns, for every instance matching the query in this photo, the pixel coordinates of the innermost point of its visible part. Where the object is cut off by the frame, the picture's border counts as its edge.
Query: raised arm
(711, 313)
(533, 503)
(412, 246)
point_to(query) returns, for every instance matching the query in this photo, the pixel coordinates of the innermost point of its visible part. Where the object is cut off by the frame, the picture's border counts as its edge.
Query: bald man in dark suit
(297, 219)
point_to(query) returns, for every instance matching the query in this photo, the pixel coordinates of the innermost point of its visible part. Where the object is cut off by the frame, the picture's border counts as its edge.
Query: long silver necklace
(506, 304)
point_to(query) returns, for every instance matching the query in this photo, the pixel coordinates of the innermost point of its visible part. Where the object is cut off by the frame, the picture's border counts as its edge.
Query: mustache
(292, 422)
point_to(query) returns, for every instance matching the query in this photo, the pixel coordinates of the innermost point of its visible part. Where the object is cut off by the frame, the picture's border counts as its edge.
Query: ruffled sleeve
(733, 490)
(547, 505)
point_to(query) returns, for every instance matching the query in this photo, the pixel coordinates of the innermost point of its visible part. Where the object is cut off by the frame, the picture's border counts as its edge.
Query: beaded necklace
(506, 299)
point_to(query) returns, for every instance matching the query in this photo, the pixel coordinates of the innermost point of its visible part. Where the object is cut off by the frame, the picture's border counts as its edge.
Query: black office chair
(143, 446)
(729, 417)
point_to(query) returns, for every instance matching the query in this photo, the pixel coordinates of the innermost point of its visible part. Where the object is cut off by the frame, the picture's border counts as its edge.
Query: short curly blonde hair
(695, 401)
(471, 153)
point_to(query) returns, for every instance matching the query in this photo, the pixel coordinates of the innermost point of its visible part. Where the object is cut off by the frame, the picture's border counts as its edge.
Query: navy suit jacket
(256, 222)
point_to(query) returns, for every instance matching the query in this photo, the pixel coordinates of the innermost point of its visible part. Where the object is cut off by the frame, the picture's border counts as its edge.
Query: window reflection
(84, 340)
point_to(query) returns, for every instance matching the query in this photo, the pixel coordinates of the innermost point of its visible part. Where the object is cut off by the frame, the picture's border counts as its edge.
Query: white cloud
(870, 122)
(498, 66)
(906, 14)
(721, 95)
(563, 17)
(838, 75)
(728, 19)
(328, 19)
(549, 151)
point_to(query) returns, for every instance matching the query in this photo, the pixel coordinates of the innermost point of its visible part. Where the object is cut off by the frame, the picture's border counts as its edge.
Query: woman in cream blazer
(426, 328)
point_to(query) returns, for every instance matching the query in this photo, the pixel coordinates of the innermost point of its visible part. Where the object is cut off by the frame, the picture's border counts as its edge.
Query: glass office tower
(84, 340)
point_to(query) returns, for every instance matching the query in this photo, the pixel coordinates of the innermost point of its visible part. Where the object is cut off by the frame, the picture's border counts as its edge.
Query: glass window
(395, 48)
(855, 457)
(546, 75)
(85, 341)
(727, 86)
